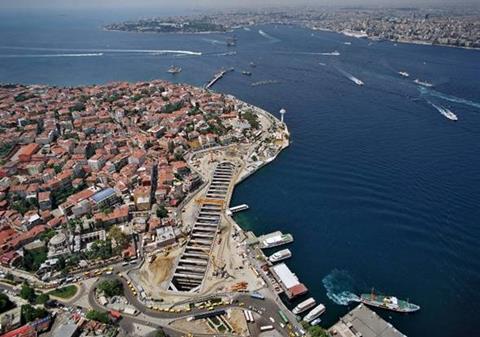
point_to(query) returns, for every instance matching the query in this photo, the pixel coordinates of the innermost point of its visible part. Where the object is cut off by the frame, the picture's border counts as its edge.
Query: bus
(283, 316)
(257, 295)
(266, 327)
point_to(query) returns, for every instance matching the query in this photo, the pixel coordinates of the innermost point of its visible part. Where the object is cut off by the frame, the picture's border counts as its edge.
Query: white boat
(174, 70)
(314, 313)
(447, 113)
(356, 81)
(423, 83)
(276, 240)
(316, 321)
(404, 74)
(280, 255)
(304, 306)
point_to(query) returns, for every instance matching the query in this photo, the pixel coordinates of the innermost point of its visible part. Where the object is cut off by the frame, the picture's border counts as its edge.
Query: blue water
(378, 188)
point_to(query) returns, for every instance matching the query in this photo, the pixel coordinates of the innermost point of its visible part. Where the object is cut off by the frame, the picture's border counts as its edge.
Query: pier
(362, 321)
(236, 209)
(217, 76)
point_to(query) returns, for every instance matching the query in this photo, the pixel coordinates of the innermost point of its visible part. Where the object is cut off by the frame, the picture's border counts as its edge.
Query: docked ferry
(304, 306)
(314, 313)
(280, 255)
(277, 240)
(388, 302)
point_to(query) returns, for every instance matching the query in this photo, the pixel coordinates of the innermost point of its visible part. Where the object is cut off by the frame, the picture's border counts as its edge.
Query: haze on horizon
(225, 4)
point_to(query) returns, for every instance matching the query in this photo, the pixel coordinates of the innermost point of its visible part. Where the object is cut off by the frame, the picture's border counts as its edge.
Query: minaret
(282, 113)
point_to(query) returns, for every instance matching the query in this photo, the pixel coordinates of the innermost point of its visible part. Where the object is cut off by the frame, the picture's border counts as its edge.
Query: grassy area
(65, 292)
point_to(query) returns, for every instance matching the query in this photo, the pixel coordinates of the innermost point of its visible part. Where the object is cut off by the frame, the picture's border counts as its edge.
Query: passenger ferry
(314, 313)
(280, 255)
(423, 83)
(277, 240)
(388, 302)
(304, 306)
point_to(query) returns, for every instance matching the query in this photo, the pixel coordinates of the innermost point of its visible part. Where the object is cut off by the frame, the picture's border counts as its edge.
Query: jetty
(365, 322)
(217, 77)
(236, 209)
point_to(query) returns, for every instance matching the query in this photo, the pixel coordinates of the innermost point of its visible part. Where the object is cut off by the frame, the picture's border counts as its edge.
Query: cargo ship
(280, 255)
(388, 302)
(314, 313)
(276, 240)
(304, 306)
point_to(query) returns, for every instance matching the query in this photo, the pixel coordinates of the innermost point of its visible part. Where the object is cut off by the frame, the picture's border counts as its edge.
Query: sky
(204, 4)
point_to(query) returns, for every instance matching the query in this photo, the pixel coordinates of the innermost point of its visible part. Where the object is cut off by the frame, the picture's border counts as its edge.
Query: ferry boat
(404, 74)
(357, 81)
(174, 70)
(423, 83)
(388, 302)
(277, 240)
(304, 306)
(280, 255)
(447, 113)
(314, 313)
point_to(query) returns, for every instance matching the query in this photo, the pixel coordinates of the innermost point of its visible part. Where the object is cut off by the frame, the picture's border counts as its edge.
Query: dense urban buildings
(455, 27)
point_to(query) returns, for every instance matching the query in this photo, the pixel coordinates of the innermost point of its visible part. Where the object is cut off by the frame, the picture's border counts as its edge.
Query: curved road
(261, 309)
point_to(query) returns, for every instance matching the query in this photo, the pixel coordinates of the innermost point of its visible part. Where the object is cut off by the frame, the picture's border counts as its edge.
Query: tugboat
(174, 70)
(388, 302)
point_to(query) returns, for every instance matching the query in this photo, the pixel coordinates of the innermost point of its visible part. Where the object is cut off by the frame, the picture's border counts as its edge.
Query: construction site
(212, 256)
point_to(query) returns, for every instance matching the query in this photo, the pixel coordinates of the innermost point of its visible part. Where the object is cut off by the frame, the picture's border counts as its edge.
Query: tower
(282, 113)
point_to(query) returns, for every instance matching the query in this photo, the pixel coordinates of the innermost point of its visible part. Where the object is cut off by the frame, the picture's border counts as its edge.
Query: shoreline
(353, 34)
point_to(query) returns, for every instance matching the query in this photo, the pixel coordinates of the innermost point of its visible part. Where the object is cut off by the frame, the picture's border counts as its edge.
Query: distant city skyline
(195, 4)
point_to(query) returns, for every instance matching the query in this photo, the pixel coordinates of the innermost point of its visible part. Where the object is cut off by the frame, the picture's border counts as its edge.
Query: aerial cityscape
(268, 170)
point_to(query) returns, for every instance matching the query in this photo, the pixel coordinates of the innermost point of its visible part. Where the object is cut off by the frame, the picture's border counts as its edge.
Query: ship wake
(450, 98)
(339, 285)
(350, 77)
(268, 36)
(101, 51)
(50, 55)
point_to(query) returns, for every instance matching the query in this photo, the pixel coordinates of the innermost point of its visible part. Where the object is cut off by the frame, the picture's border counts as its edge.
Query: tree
(28, 293)
(32, 260)
(47, 235)
(42, 298)
(111, 287)
(98, 316)
(29, 313)
(160, 333)
(116, 234)
(162, 212)
(5, 303)
(57, 168)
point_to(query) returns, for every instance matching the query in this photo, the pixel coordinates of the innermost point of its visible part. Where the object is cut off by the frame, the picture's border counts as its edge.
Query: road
(262, 310)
